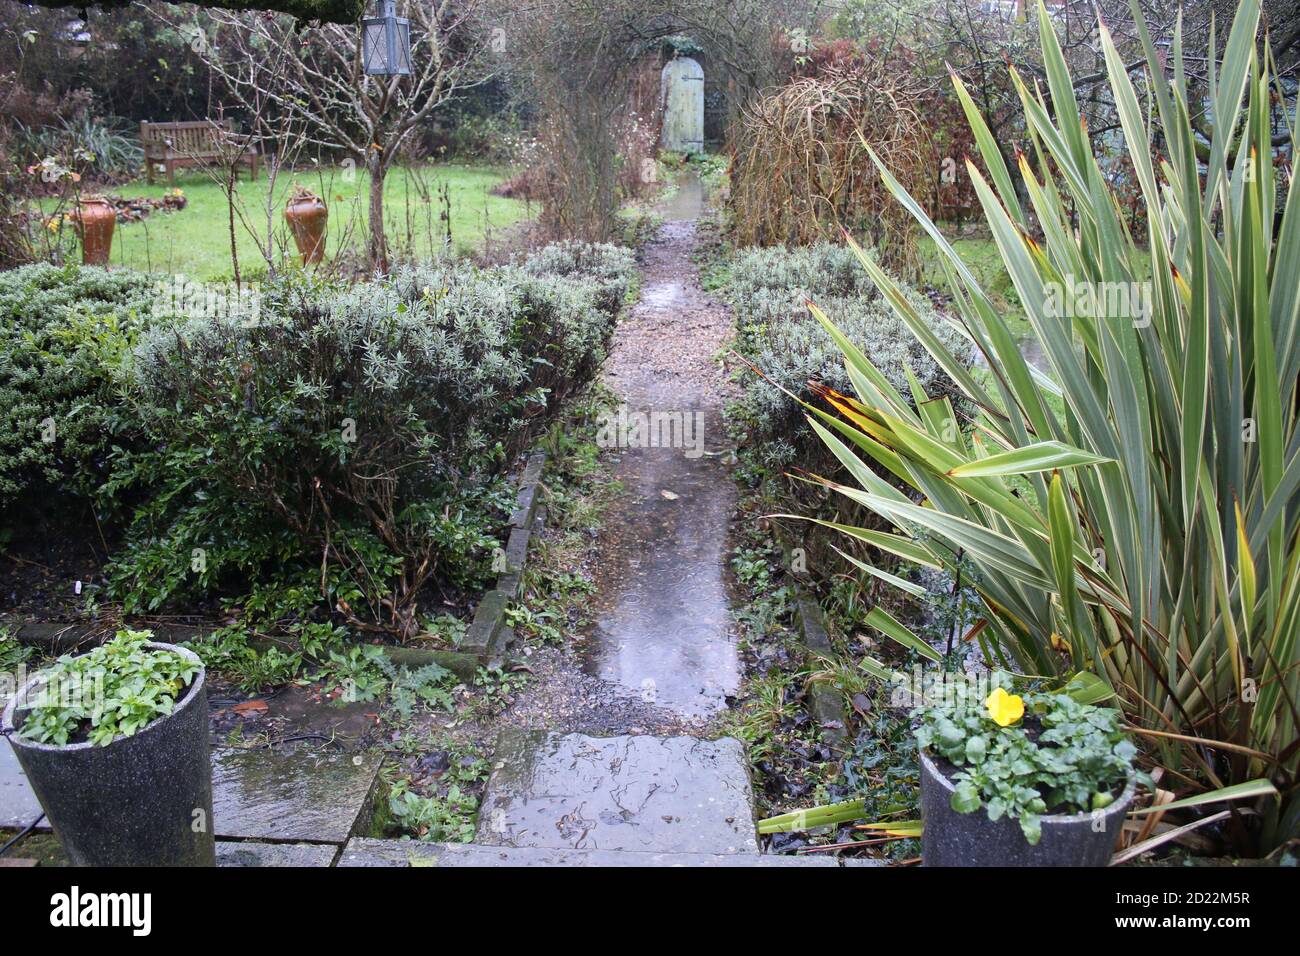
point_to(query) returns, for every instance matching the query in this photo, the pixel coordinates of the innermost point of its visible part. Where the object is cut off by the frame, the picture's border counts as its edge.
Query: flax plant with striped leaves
(1142, 526)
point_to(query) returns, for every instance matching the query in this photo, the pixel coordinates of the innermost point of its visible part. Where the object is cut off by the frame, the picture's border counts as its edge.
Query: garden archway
(579, 64)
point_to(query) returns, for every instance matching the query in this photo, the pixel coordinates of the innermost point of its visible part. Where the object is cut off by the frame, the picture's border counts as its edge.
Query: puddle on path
(687, 202)
(663, 617)
(663, 628)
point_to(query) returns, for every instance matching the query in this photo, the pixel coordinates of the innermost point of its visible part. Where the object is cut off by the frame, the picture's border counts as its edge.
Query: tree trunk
(378, 249)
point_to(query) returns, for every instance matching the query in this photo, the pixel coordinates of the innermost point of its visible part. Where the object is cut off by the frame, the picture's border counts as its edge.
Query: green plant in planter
(1023, 757)
(114, 691)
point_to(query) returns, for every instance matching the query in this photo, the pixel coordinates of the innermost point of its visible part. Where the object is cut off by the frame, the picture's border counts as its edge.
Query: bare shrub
(800, 172)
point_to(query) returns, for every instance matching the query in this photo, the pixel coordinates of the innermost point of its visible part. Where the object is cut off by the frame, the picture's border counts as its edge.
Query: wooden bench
(197, 143)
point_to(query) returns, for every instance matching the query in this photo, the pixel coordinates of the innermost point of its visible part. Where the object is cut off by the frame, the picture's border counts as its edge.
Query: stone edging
(824, 702)
(486, 639)
(487, 636)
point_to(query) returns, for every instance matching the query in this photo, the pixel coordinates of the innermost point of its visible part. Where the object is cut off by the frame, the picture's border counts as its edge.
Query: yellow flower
(1004, 708)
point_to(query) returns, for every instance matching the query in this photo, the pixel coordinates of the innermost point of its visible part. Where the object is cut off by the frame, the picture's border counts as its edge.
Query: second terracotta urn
(307, 215)
(95, 219)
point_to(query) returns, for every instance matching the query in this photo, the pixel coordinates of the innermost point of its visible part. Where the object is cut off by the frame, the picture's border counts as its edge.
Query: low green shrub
(63, 335)
(611, 267)
(353, 440)
(815, 271)
(768, 291)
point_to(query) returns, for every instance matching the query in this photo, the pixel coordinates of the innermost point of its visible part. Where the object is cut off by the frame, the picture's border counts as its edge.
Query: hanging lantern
(386, 42)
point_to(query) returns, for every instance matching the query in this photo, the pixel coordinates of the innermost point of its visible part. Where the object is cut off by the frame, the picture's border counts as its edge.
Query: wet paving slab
(312, 797)
(630, 793)
(257, 795)
(18, 803)
(44, 849)
(253, 853)
(663, 626)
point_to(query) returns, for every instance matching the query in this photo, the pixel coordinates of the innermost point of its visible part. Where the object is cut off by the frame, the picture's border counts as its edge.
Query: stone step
(365, 852)
(286, 797)
(665, 795)
(253, 853)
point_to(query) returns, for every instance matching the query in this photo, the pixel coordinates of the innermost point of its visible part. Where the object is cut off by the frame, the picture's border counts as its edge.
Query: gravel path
(661, 655)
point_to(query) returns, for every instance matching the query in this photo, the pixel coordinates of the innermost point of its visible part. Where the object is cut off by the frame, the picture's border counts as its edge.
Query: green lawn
(196, 240)
(982, 258)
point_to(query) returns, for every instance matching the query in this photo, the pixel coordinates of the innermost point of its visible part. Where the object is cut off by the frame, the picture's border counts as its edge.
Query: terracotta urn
(307, 214)
(94, 219)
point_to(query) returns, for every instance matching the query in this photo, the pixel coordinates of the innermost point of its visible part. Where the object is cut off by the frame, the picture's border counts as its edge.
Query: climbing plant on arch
(572, 62)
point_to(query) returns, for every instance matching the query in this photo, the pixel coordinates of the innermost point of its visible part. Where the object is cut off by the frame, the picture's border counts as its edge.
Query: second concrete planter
(972, 839)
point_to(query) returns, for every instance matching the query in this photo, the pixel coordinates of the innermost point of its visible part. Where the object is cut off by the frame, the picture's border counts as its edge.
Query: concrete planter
(144, 800)
(971, 839)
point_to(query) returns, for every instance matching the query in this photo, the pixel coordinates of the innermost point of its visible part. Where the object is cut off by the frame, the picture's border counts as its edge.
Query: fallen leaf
(669, 495)
(251, 707)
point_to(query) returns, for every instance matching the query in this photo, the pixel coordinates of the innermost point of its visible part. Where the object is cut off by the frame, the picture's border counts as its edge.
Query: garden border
(486, 640)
